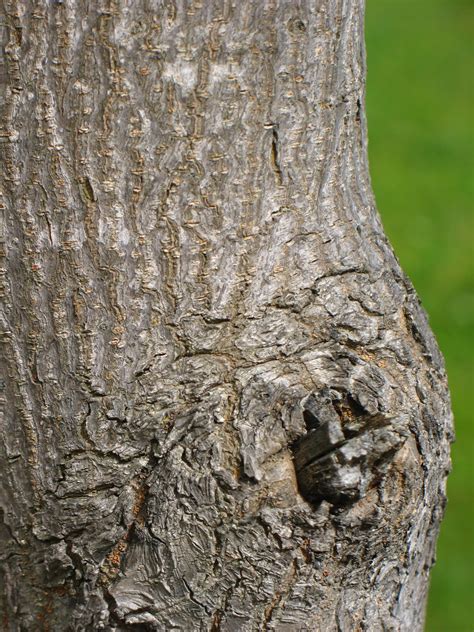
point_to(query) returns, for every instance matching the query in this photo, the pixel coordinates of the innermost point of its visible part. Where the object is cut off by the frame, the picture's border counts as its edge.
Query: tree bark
(224, 407)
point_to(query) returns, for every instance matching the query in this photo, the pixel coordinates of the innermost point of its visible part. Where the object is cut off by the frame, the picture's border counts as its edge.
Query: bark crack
(275, 156)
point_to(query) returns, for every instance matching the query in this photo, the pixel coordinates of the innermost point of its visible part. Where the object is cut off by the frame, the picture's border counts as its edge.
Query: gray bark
(224, 407)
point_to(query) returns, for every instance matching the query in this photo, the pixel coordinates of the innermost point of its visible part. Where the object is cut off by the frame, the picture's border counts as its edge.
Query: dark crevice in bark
(275, 156)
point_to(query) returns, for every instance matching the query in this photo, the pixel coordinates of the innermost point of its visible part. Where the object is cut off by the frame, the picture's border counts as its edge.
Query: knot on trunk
(346, 448)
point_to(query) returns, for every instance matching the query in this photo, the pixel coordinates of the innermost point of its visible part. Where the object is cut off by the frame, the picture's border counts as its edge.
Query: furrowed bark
(223, 405)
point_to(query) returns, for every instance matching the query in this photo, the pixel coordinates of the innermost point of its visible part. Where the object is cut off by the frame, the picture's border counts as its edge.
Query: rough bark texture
(224, 407)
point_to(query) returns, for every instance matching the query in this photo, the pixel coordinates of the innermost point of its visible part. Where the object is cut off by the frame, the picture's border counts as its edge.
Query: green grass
(421, 136)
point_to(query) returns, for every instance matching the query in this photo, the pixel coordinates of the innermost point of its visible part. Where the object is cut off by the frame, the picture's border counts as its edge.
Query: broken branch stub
(346, 449)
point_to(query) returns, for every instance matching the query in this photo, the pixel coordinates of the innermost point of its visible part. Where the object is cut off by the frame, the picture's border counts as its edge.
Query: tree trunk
(224, 407)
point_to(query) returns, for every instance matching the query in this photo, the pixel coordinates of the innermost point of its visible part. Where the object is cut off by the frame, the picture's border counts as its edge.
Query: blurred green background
(421, 127)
